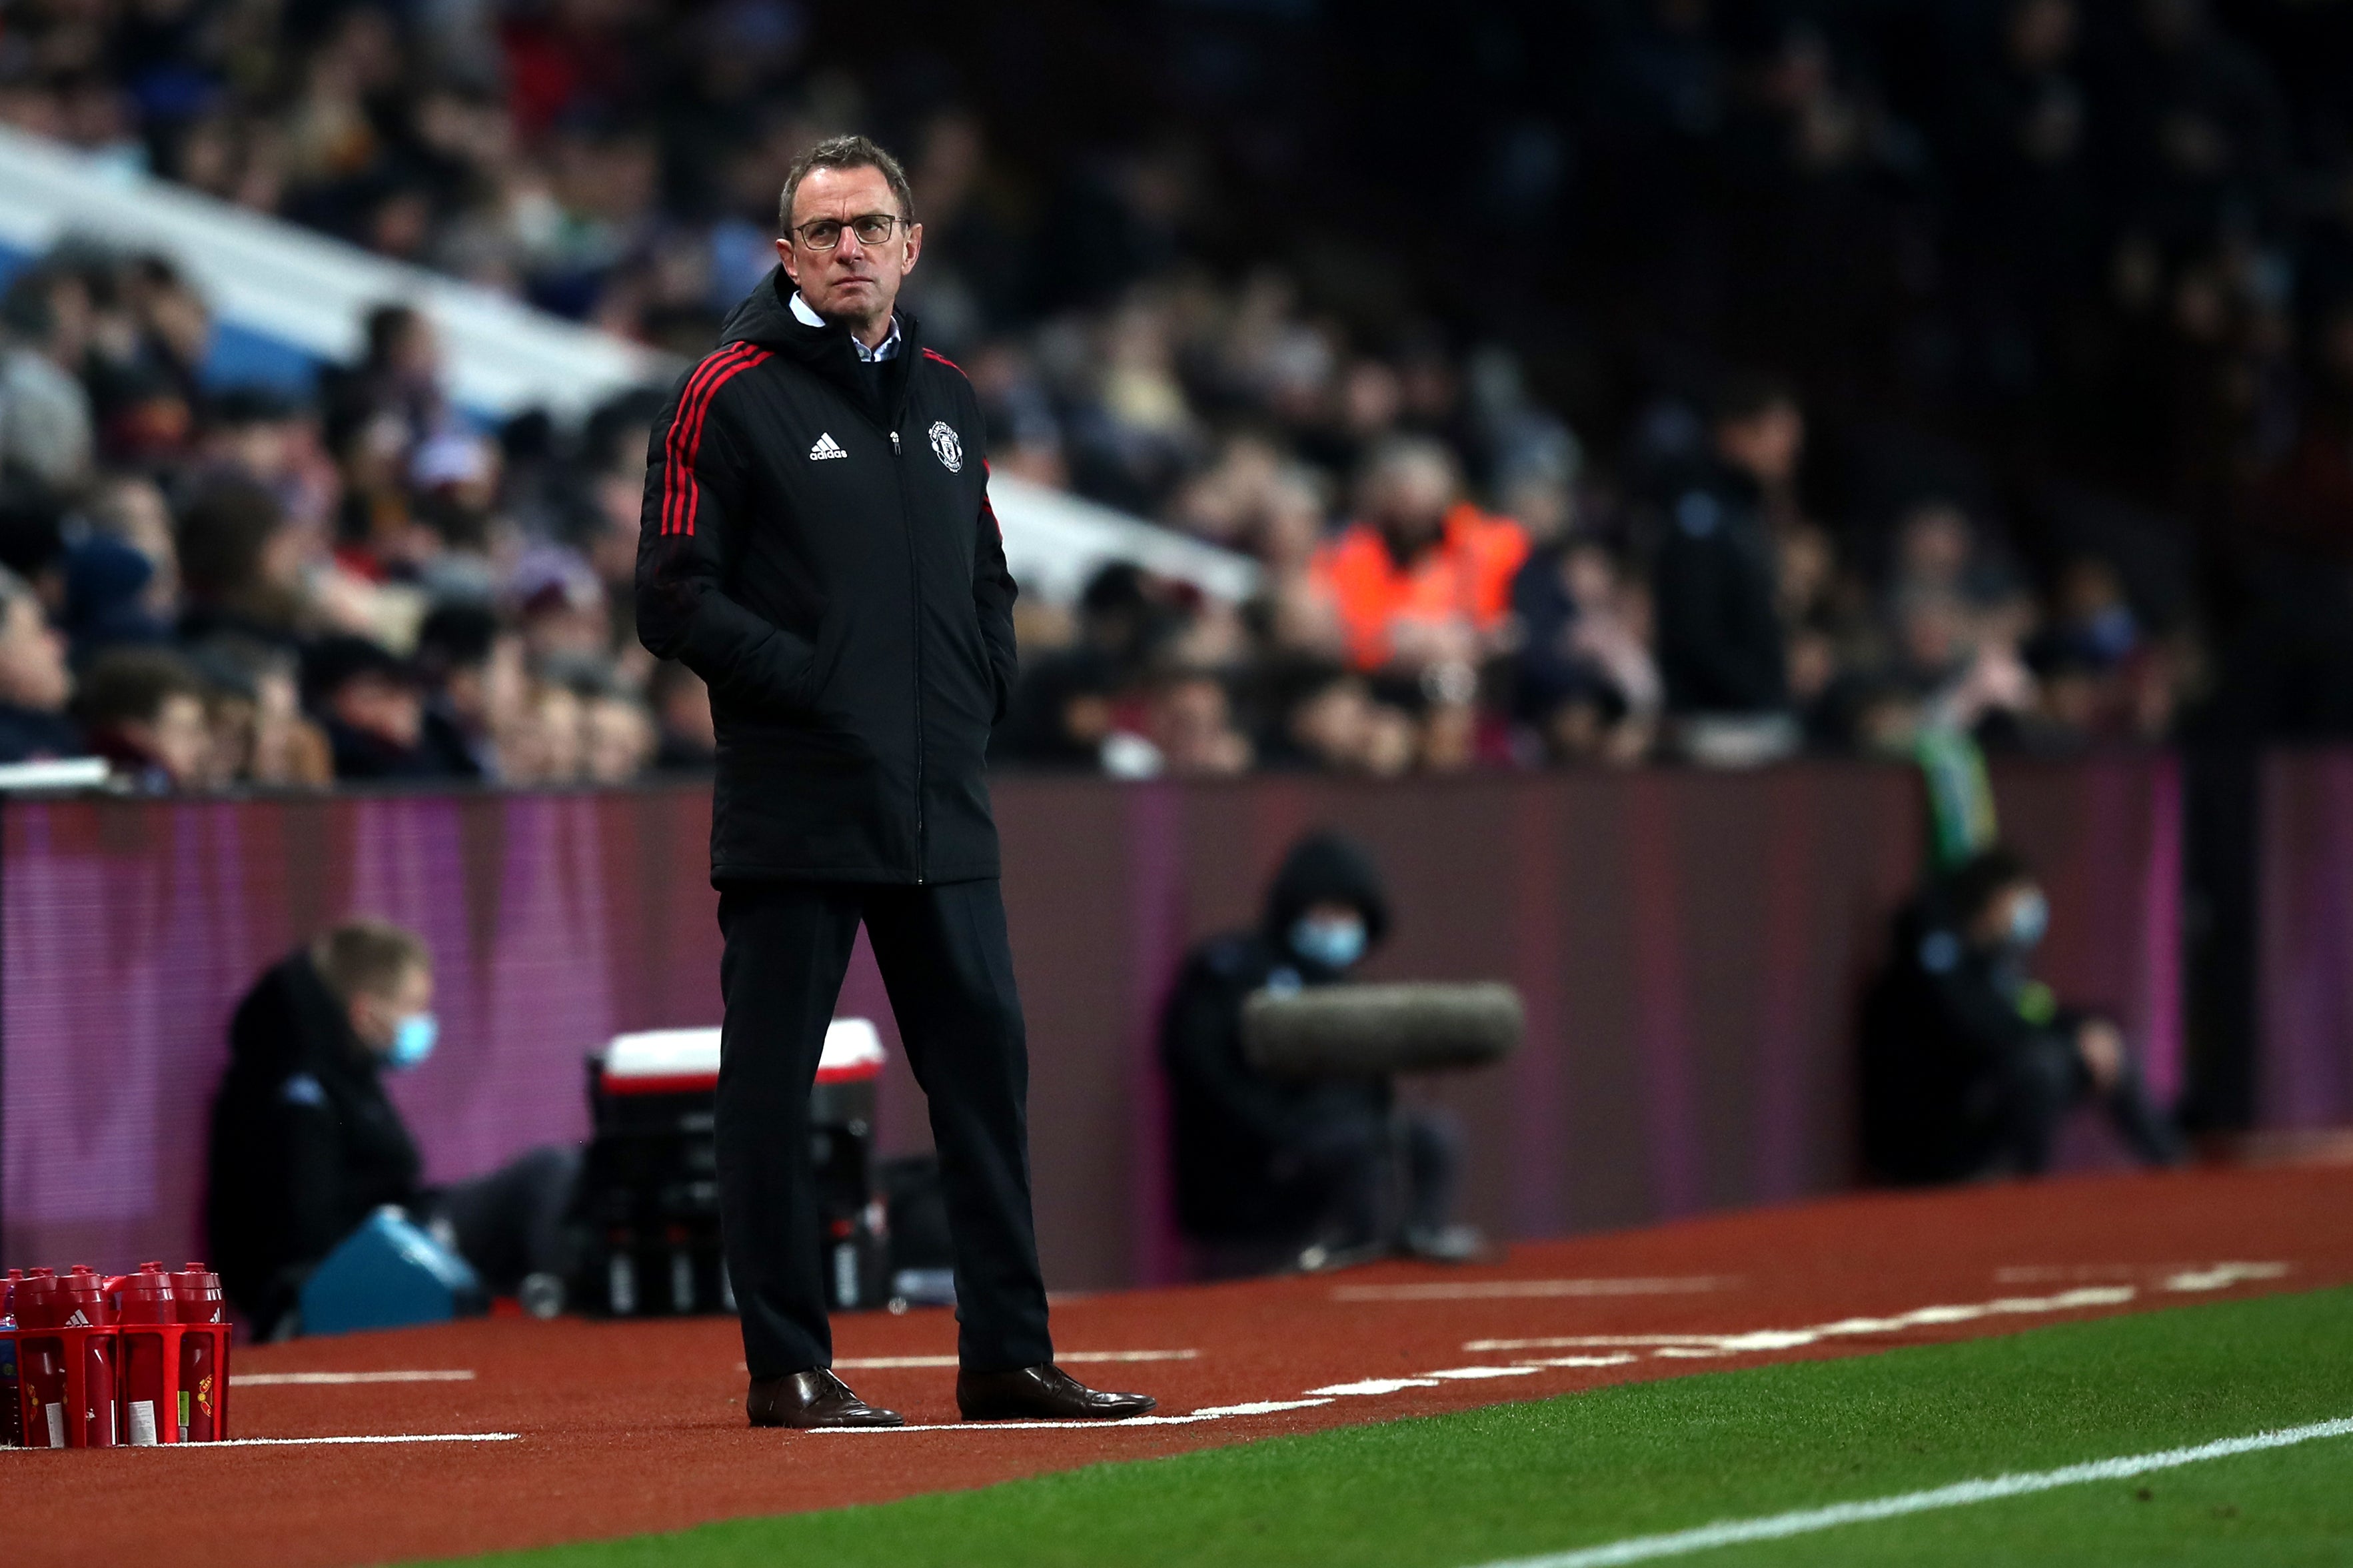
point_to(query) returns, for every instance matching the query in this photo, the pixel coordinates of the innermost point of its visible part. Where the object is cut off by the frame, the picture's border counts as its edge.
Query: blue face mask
(412, 1040)
(2029, 919)
(1330, 943)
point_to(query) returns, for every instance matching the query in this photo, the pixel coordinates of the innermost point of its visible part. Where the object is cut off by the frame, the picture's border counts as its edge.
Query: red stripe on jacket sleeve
(698, 388)
(692, 491)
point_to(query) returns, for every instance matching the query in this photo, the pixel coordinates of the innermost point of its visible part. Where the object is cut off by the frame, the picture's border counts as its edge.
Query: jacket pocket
(805, 668)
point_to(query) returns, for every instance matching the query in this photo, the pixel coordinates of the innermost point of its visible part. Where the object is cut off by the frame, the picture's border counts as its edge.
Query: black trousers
(949, 971)
(2033, 1092)
(513, 1221)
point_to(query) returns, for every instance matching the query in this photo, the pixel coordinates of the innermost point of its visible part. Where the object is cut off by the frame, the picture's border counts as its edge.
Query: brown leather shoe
(812, 1398)
(1043, 1392)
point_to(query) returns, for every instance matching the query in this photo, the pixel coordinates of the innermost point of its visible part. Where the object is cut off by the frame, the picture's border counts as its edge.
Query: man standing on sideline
(818, 545)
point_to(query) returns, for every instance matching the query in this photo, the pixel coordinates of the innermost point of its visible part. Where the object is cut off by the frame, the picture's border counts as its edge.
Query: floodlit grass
(1583, 1469)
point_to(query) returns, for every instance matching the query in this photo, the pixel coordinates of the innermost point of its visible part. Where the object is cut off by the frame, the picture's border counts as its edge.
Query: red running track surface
(638, 1426)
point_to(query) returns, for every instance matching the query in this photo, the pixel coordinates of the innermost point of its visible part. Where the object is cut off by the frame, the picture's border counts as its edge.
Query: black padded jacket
(305, 1143)
(817, 544)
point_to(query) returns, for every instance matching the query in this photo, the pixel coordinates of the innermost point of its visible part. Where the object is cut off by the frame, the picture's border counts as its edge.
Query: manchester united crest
(946, 447)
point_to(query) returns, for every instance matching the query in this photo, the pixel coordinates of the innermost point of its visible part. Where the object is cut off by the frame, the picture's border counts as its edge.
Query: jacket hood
(765, 318)
(302, 1026)
(1323, 868)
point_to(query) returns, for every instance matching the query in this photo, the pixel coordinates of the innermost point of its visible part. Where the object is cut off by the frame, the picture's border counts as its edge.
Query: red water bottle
(66, 1349)
(12, 1396)
(40, 1360)
(87, 1327)
(203, 1380)
(147, 1334)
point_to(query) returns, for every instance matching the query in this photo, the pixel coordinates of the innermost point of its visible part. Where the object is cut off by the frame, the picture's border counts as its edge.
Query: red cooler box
(650, 1191)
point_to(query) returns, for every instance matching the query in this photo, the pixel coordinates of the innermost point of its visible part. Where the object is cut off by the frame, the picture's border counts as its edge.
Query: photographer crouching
(1274, 1172)
(1969, 1064)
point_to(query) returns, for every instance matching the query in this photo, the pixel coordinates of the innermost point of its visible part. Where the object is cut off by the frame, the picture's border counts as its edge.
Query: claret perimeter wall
(1690, 946)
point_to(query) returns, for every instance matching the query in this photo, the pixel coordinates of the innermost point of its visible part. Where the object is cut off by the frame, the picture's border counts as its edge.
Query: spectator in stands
(563, 608)
(473, 673)
(1586, 681)
(46, 428)
(617, 739)
(34, 681)
(1331, 721)
(239, 565)
(687, 742)
(1270, 1171)
(1188, 723)
(131, 509)
(398, 378)
(1969, 1064)
(1721, 641)
(1422, 580)
(143, 710)
(306, 1143)
(546, 744)
(32, 540)
(106, 601)
(2101, 676)
(1066, 705)
(255, 711)
(369, 702)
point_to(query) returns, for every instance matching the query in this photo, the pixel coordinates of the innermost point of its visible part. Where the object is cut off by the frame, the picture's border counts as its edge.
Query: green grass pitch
(1589, 1469)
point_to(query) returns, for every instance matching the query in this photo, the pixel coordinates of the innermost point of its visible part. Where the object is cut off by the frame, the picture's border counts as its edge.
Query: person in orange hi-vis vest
(1424, 578)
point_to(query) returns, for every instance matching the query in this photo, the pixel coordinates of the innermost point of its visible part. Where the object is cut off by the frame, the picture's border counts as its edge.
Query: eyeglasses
(825, 233)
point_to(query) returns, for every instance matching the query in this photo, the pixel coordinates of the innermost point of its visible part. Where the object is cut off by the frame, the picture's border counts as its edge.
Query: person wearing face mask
(1280, 1172)
(306, 1144)
(1969, 1064)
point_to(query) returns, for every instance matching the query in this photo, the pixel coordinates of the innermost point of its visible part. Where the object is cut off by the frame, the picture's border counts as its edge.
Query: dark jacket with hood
(1232, 1125)
(1941, 1022)
(817, 544)
(305, 1144)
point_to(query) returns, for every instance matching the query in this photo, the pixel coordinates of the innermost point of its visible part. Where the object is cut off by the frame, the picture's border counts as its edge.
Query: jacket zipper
(915, 592)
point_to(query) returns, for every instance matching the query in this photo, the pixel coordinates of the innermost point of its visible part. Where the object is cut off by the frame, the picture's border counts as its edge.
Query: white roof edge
(310, 290)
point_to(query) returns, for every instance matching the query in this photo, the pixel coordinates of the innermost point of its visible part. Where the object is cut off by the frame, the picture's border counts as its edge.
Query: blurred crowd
(212, 587)
(1827, 375)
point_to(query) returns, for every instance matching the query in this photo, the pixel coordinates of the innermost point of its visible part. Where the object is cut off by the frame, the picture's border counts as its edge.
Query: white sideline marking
(1508, 1290)
(1620, 1360)
(1029, 1426)
(1805, 1522)
(1620, 1348)
(2169, 1276)
(1377, 1385)
(308, 1379)
(1074, 1358)
(1690, 1345)
(310, 1442)
(2222, 1276)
